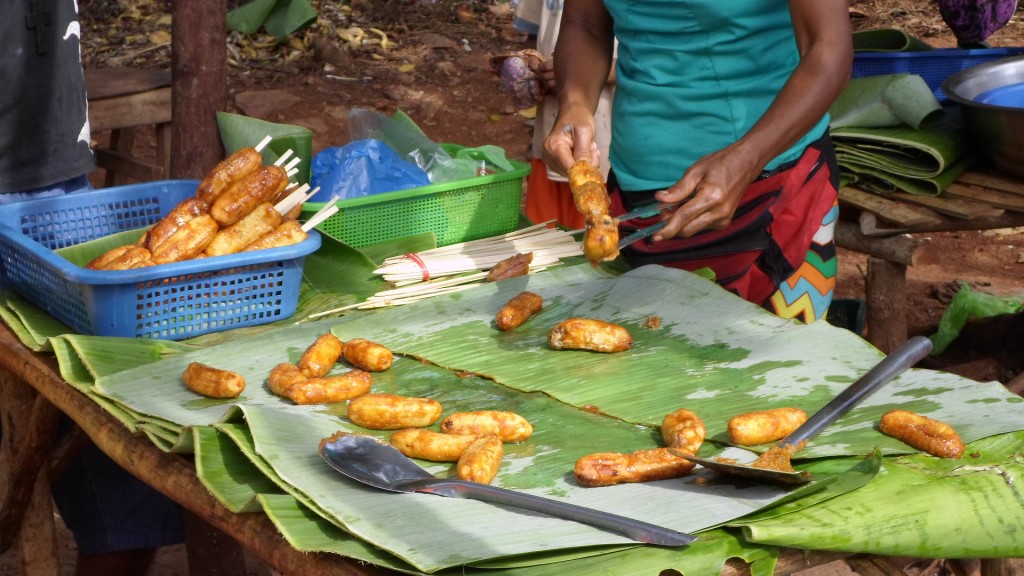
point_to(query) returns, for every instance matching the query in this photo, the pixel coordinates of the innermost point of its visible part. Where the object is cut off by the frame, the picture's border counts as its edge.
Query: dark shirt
(44, 129)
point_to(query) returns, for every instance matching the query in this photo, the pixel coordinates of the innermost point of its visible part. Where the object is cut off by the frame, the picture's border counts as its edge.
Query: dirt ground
(434, 66)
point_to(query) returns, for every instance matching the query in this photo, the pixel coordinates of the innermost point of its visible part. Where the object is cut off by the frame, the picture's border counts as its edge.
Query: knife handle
(628, 527)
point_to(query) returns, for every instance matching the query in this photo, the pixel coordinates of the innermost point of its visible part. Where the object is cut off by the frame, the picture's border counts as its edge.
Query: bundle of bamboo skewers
(461, 266)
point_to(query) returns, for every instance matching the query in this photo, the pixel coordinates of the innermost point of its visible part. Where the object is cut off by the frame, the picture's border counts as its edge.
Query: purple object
(973, 21)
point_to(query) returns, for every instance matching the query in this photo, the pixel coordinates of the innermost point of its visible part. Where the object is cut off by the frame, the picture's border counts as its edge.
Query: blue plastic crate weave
(932, 65)
(171, 301)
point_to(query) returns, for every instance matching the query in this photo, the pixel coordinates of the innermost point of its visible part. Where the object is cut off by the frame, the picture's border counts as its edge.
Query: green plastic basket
(455, 212)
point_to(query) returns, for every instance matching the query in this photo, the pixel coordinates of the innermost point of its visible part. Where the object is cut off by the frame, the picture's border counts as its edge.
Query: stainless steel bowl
(998, 130)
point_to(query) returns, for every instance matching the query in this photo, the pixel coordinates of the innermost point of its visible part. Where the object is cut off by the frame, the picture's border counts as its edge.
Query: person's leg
(807, 293)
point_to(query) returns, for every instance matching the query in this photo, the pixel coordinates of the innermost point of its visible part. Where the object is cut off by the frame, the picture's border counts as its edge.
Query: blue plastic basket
(170, 301)
(932, 65)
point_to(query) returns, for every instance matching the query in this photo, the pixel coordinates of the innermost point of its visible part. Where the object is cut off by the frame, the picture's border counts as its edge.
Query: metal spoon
(378, 464)
(891, 366)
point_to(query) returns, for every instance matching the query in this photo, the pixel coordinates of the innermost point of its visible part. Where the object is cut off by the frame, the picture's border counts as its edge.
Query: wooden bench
(123, 101)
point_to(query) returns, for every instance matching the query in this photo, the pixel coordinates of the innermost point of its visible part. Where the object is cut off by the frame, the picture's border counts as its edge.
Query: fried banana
(180, 215)
(287, 233)
(367, 355)
(508, 426)
(227, 172)
(929, 435)
(429, 445)
(763, 426)
(212, 382)
(393, 412)
(243, 196)
(511, 267)
(589, 334)
(296, 210)
(683, 430)
(581, 172)
(100, 262)
(481, 460)
(284, 376)
(251, 227)
(518, 310)
(188, 241)
(601, 238)
(609, 468)
(318, 359)
(330, 389)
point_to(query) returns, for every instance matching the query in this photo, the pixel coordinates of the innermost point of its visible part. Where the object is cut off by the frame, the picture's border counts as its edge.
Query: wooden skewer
(283, 158)
(292, 199)
(322, 214)
(292, 163)
(263, 143)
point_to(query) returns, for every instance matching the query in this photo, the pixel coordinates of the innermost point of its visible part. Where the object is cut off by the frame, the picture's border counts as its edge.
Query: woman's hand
(571, 138)
(714, 186)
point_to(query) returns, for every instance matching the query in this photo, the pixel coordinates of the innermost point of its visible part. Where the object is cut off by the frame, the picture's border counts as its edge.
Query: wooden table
(887, 228)
(32, 396)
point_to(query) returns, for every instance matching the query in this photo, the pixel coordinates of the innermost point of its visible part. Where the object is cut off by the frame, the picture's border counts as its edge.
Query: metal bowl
(998, 130)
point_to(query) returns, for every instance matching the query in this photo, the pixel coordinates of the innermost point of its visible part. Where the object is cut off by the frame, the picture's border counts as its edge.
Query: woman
(724, 105)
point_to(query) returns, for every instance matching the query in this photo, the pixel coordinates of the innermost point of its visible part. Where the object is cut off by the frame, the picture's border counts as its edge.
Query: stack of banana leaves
(711, 353)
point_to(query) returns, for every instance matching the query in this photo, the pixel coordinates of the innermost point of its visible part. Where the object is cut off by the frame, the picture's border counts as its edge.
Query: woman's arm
(583, 57)
(823, 36)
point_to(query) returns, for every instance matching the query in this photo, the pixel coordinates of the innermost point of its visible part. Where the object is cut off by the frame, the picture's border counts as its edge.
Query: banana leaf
(233, 480)
(29, 324)
(280, 18)
(887, 40)
(884, 101)
(937, 508)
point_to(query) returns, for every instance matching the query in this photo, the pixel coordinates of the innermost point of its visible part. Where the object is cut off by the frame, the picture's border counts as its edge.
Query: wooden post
(886, 295)
(199, 85)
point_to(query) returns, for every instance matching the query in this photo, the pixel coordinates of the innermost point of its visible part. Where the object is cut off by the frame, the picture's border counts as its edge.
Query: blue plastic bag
(362, 168)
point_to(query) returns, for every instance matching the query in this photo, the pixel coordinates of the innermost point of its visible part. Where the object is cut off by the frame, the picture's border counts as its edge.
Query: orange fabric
(550, 200)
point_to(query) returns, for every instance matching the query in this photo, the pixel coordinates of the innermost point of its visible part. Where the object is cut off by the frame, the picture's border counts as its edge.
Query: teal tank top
(692, 77)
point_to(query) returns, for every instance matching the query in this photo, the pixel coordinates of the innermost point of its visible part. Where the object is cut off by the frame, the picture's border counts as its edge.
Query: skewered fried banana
(518, 310)
(330, 389)
(287, 233)
(100, 262)
(295, 211)
(508, 426)
(393, 412)
(251, 227)
(932, 436)
(481, 460)
(227, 172)
(683, 430)
(367, 355)
(318, 359)
(253, 189)
(180, 215)
(284, 376)
(134, 257)
(764, 426)
(212, 382)
(609, 468)
(589, 334)
(429, 445)
(601, 238)
(188, 241)
(511, 267)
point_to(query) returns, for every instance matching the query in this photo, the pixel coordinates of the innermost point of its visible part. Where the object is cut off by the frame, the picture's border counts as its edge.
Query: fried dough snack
(238, 236)
(518, 310)
(367, 355)
(481, 460)
(227, 172)
(186, 210)
(243, 196)
(516, 265)
(330, 389)
(763, 426)
(284, 376)
(683, 430)
(932, 436)
(393, 412)
(508, 426)
(212, 382)
(295, 211)
(287, 233)
(122, 258)
(187, 242)
(429, 445)
(609, 468)
(589, 334)
(318, 359)
(600, 241)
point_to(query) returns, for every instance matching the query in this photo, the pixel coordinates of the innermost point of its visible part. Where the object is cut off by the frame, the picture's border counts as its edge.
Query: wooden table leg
(886, 296)
(28, 423)
(211, 551)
